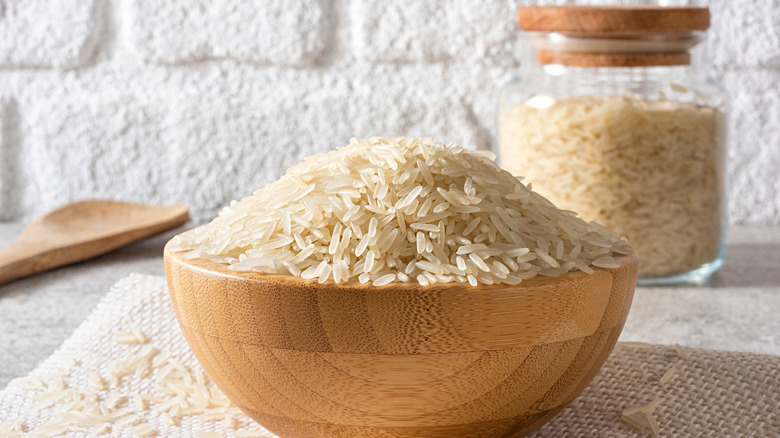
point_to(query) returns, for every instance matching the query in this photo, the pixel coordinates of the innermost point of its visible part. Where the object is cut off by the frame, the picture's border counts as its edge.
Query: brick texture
(754, 155)
(48, 33)
(269, 31)
(5, 168)
(745, 34)
(420, 31)
(203, 101)
(97, 147)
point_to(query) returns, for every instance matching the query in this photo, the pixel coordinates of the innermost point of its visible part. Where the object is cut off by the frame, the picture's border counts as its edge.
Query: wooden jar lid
(589, 23)
(613, 59)
(625, 19)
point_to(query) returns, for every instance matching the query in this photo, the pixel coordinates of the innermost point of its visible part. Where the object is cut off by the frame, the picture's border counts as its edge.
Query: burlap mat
(708, 394)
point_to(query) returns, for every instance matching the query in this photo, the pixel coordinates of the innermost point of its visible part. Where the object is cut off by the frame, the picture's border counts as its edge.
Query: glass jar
(615, 116)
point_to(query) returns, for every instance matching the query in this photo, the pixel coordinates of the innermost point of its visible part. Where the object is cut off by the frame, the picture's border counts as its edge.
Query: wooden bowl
(349, 360)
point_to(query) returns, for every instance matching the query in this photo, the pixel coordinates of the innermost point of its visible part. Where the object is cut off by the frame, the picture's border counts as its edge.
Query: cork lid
(614, 36)
(617, 19)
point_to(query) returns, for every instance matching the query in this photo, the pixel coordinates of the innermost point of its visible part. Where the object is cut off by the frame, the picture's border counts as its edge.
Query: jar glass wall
(640, 148)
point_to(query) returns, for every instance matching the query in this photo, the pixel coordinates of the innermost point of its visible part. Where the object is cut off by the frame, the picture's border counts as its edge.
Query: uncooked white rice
(641, 416)
(95, 381)
(130, 337)
(681, 353)
(381, 207)
(247, 434)
(70, 360)
(184, 393)
(637, 345)
(667, 375)
(27, 383)
(649, 169)
(144, 430)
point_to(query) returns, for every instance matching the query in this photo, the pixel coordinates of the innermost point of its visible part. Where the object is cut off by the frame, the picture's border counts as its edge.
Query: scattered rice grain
(667, 375)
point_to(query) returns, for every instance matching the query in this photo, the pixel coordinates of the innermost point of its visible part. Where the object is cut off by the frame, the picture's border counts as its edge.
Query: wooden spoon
(82, 230)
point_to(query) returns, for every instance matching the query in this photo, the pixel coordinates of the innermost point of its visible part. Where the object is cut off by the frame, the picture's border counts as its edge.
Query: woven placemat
(133, 333)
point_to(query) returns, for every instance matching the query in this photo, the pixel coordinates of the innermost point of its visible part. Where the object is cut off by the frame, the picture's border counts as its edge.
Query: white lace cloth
(710, 393)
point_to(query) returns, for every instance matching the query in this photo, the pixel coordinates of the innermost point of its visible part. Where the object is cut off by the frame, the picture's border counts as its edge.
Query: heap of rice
(649, 169)
(401, 209)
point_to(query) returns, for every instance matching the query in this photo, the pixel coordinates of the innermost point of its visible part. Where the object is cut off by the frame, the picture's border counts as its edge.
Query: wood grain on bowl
(350, 360)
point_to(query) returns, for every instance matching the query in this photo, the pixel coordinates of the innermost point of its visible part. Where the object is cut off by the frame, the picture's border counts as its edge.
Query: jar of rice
(615, 116)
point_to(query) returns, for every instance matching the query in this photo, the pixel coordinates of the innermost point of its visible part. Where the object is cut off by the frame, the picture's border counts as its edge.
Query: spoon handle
(19, 261)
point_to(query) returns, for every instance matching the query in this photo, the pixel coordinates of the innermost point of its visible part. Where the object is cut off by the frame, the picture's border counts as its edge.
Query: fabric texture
(709, 393)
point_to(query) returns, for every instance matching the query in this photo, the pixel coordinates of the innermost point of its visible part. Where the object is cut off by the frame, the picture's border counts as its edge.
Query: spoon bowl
(82, 230)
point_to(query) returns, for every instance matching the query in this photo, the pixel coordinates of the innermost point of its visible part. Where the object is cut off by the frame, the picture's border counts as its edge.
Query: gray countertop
(737, 310)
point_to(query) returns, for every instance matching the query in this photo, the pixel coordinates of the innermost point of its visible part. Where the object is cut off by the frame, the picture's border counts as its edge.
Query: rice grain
(345, 216)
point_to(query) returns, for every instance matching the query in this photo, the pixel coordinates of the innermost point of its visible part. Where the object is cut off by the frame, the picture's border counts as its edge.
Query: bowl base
(510, 427)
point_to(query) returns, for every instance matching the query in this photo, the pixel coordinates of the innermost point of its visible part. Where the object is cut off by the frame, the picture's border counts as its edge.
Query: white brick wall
(263, 32)
(97, 146)
(5, 175)
(754, 156)
(202, 102)
(48, 33)
(745, 34)
(406, 31)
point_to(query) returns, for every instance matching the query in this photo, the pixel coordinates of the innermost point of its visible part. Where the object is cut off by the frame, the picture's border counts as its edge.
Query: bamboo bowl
(348, 360)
